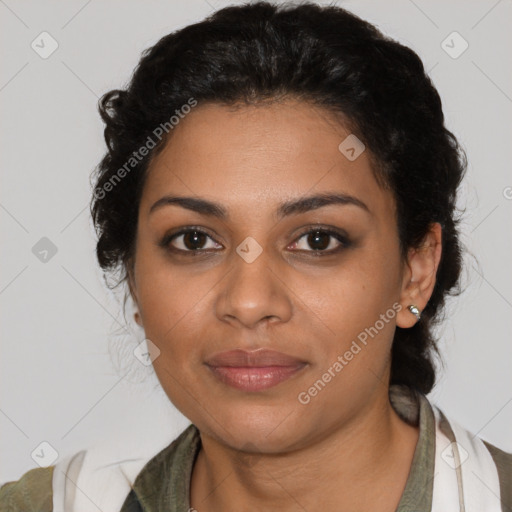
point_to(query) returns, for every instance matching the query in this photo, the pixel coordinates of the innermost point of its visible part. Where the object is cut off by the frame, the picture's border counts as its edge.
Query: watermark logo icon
(249, 455)
(449, 455)
(44, 45)
(454, 45)
(351, 147)
(249, 249)
(44, 250)
(44, 454)
(146, 352)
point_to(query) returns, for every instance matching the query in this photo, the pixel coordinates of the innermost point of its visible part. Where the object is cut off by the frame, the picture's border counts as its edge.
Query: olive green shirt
(163, 484)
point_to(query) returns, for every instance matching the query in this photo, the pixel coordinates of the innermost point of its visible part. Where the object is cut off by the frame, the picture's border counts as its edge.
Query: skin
(264, 450)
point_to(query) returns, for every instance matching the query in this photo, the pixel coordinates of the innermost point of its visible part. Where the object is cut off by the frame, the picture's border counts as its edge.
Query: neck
(354, 467)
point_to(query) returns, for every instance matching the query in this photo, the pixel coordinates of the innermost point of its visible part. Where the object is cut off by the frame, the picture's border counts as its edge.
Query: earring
(137, 317)
(415, 311)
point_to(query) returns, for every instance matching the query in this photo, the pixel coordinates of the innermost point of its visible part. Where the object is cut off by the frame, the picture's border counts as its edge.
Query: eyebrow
(294, 207)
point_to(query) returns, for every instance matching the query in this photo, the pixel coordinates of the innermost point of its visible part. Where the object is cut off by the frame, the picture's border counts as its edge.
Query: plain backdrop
(67, 373)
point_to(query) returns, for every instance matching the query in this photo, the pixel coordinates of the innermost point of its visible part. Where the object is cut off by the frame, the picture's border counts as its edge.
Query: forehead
(259, 156)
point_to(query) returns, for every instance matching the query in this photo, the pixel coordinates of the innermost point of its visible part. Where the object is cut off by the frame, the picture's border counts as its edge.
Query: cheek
(359, 304)
(170, 308)
(355, 296)
(172, 319)
(163, 296)
(358, 307)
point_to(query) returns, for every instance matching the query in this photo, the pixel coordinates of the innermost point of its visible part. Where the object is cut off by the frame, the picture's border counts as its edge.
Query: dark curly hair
(260, 52)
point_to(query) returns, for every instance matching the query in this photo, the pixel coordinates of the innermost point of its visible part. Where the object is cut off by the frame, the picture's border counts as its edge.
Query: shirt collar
(414, 408)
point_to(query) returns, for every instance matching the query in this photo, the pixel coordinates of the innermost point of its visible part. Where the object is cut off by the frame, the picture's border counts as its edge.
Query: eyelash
(338, 235)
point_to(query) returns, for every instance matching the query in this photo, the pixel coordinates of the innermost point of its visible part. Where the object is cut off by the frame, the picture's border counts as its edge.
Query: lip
(254, 370)
(254, 358)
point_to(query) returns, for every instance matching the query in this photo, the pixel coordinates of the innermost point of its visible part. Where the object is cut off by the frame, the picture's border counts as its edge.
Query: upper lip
(255, 358)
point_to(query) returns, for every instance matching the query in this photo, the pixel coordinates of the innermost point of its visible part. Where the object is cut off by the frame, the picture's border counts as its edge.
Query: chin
(267, 429)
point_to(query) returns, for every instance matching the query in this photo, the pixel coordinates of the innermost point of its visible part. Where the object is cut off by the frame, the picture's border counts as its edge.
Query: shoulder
(163, 482)
(502, 459)
(103, 474)
(503, 462)
(480, 462)
(31, 493)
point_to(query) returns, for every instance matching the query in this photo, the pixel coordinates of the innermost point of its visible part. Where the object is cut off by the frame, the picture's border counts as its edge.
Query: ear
(419, 275)
(133, 291)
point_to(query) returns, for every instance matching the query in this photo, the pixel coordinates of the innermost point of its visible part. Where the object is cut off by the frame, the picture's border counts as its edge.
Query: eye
(321, 239)
(188, 240)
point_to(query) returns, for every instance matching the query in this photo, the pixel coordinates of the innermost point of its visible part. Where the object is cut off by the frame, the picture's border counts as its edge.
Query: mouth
(254, 378)
(255, 370)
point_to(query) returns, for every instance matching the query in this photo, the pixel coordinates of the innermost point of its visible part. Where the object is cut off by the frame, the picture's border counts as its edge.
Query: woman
(279, 194)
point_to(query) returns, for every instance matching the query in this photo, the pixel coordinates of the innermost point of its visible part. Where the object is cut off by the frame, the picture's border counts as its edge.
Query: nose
(253, 293)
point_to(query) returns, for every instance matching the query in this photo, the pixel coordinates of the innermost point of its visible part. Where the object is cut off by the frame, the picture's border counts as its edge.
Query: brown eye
(189, 240)
(318, 240)
(322, 241)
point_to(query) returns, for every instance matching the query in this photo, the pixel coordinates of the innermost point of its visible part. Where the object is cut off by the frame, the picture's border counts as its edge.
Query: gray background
(67, 373)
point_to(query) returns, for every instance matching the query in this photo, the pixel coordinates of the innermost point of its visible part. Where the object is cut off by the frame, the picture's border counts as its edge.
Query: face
(308, 281)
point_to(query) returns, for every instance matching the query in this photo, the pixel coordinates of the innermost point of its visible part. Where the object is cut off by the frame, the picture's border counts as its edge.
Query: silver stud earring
(415, 311)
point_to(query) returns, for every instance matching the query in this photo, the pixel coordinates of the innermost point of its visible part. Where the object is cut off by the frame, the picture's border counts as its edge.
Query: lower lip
(254, 378)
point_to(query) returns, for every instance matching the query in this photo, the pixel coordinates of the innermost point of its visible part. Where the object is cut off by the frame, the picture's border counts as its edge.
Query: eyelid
(339, 234)
(169, 237)
(324, 228)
